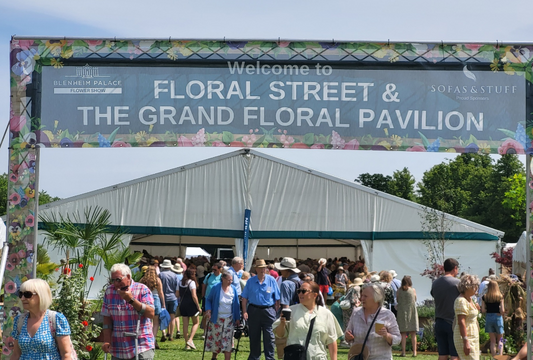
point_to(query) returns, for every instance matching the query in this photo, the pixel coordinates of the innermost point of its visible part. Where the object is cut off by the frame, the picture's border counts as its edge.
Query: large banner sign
(287, 105)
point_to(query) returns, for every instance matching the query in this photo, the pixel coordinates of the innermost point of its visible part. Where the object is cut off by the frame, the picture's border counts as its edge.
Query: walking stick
(205, 337)
(136, 336)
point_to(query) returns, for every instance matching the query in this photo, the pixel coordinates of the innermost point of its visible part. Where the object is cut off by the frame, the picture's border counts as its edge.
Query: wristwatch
(131, 301)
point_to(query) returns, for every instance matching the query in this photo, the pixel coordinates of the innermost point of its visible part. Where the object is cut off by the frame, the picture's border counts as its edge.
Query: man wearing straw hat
(260, 302)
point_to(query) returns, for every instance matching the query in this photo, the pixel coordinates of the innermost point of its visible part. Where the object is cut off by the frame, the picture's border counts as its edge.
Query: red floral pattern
(220, 336)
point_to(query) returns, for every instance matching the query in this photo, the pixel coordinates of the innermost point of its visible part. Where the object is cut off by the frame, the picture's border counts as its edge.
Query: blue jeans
(494, 323)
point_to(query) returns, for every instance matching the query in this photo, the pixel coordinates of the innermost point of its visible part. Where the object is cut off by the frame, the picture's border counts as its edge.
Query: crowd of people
(280, 305)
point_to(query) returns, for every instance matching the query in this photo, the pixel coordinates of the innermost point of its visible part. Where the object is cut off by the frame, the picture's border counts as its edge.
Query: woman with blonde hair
(492, 305)
(33, 339)
(466, 330)
(153, 282)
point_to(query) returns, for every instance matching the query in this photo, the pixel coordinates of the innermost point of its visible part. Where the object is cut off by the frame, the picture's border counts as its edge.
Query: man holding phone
(127, 306)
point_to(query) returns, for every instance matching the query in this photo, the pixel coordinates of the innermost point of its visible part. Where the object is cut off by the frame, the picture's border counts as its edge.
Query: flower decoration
(89, 348)
(91, 278)
(26, 62)
(10, 287)
(85, 323)
(14, 259)
(511, 146)
(80, 265)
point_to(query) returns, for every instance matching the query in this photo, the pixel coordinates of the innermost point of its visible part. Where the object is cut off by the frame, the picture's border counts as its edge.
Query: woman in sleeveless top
(407, 314)
(189, 306)
(492, 305)
(153, 282)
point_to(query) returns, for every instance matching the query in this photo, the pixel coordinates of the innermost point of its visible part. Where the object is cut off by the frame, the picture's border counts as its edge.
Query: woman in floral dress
(223, 314)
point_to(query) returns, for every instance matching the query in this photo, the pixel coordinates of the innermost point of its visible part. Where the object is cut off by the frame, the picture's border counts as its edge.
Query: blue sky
(68, 172)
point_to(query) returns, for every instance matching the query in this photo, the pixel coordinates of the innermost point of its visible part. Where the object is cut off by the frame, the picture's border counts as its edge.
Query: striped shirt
(125, 318)
(378, 346)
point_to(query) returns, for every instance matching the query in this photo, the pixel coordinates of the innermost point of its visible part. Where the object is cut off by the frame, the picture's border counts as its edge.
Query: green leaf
(80, 43)
(309, 139)
(509, 133)
(113, 134)
(227, 137)
(424, 139)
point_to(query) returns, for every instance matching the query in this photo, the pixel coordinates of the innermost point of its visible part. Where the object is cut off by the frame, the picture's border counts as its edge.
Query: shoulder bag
(297, 351)
(361, 355)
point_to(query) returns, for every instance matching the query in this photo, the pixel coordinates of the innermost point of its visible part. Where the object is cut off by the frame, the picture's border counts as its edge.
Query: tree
(471, 186)
(452, 186)
(400, 184)
(403, 184)
(44, 197)
(378, 182)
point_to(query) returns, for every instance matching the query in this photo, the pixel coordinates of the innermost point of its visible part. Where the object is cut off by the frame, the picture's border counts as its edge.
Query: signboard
(262, 104)
(258, 103)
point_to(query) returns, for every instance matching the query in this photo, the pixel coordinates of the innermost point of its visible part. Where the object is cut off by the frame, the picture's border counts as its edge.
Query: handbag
(361, 354)
(297, 351)
(344, 303)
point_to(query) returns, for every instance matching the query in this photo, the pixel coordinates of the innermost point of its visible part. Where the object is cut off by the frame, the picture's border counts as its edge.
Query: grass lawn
(175, 350)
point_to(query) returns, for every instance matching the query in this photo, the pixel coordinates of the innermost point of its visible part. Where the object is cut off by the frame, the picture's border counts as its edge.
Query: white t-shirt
(191, 284)
(226, 301)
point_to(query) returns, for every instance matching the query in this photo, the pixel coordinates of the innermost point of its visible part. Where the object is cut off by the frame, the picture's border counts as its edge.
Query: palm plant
(83, 239)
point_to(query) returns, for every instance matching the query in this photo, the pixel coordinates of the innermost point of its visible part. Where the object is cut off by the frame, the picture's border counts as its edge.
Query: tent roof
(208, 198)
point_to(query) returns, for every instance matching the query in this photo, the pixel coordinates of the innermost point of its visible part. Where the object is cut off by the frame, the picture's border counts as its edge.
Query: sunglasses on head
(26, 294)
(302, 291)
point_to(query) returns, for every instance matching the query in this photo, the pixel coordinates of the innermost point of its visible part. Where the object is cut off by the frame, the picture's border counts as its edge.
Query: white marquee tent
(295, 211)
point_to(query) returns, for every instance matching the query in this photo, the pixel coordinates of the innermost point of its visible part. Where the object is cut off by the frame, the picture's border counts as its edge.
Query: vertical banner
(21, 234)
(529, 253)
(245, 236)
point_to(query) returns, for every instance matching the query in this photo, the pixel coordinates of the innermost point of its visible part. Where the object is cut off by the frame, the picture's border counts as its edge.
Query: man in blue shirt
(260, 302)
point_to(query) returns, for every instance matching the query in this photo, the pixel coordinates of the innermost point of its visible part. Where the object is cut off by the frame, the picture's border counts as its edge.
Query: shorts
(494, 323)
(444, 337)
(157, 305)
(171, 305)
(324, 289)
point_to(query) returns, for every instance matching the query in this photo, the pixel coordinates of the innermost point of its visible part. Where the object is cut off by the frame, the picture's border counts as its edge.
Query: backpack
(52, 321)
(295, 298)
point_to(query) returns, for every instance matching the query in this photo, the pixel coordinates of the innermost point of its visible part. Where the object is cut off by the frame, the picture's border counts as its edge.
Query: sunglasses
(116, 280)
(26, 294)
(302, 291)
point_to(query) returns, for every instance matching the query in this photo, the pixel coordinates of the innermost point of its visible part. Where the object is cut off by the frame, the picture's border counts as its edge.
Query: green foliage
(45, 268)
(400, 184)
(72, 283)
(426, 311)
(428, 342)
(375, 181)
(515, 198)
(473, 187)
(84, 240)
